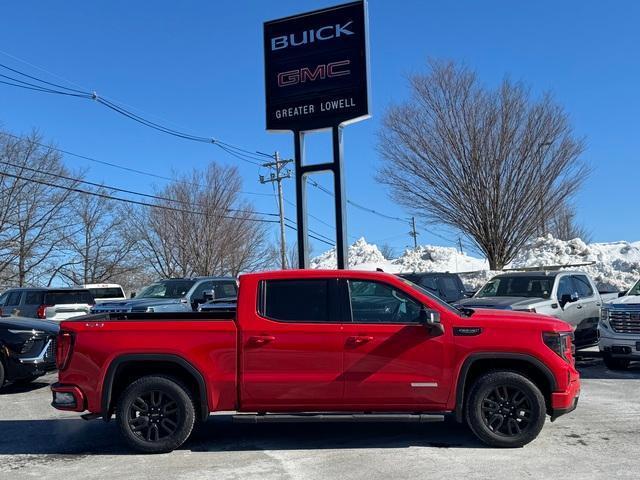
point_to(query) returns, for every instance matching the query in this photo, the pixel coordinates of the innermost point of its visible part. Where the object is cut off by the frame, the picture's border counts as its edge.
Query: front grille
(625, 322)
(50, 354)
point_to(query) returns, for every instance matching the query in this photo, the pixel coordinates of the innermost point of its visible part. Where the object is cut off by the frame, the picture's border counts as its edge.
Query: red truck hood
(545, 322)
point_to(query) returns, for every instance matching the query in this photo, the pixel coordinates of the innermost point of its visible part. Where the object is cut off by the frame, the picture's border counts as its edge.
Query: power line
(131, 192)
(115, 165)
(128, 200)
(238, 152)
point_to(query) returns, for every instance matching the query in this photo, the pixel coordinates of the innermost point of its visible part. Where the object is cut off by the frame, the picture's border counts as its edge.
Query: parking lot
(598, 440)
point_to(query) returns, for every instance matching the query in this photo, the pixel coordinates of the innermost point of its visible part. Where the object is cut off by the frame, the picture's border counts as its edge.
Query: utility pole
(413, 232)
(277, 177)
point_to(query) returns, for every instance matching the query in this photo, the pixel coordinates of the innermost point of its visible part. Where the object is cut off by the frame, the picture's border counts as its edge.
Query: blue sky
(198, 65)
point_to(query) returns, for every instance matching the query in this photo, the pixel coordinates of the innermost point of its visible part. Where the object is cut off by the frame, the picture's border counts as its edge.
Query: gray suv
(173, 295)
(46, 303)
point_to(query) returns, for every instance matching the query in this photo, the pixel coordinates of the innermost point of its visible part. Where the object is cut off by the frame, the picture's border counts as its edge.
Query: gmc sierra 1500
(314, 344)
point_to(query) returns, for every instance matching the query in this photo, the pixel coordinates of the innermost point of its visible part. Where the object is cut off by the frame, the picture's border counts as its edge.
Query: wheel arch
(478, 363)
(125, 368)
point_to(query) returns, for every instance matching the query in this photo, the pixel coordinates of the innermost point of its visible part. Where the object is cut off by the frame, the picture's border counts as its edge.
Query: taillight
(561, 343)
(64, 349)
(42, 311)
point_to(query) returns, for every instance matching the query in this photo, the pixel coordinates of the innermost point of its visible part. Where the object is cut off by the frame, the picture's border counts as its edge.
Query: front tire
(155, 414)
(613, 363)
(505, 409)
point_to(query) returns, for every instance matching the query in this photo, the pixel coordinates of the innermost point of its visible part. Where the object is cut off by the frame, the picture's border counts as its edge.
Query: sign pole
(301, 200)
(340, 200)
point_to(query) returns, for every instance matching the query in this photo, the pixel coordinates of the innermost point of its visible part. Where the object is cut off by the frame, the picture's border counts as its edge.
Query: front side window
(375, 302)
(583, 286)
(296, 300)
(565, 287)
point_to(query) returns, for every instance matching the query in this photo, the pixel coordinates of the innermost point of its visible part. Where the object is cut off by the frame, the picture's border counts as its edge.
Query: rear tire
(156, 414)
(613, 363)
(505, 409)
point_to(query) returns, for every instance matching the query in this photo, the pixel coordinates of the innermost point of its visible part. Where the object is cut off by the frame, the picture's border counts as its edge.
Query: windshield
(635, 290)
(436, 299)
(517, 286)
(167, 289)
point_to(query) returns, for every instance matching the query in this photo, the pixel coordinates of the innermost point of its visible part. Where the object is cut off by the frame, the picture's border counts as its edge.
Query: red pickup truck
(305, 345)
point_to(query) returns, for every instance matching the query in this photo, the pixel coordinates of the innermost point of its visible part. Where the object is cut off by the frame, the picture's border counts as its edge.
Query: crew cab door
(391, 360)
(292, 347)
(589, 304)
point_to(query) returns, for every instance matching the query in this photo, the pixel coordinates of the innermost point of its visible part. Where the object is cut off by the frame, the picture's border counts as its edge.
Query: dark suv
(447, 286)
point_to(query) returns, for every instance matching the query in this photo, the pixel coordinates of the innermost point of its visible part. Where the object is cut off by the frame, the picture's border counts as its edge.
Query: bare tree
(101, 249)
(33, 217)
(205, 228)
(387, 251)
(562, 224)
(489, 163)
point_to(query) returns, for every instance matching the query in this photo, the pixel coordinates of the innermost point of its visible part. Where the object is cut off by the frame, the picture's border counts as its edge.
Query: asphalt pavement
(601, 439)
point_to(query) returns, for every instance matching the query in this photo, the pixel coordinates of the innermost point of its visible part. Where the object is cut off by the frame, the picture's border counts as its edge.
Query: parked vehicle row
(315, 344)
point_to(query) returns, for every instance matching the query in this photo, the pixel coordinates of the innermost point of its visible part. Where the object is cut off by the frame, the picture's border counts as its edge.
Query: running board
(338, 417)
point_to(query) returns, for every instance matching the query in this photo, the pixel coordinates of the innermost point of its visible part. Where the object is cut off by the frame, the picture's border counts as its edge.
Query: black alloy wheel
(506, 410)
(156, 414)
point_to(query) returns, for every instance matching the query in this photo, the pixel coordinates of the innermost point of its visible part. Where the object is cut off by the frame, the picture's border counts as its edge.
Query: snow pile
(361, 254)
(613, 265)
(616, 265)
(430, 258)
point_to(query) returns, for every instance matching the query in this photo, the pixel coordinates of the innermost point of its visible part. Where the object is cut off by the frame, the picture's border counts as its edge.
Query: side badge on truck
(467, 331)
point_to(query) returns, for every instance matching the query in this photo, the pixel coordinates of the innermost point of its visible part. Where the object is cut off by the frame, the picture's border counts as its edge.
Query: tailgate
(63, 312)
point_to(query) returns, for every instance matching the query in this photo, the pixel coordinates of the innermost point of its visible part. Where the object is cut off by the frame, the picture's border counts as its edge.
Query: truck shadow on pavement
(75, 437)
(591, 367)
(14, 388)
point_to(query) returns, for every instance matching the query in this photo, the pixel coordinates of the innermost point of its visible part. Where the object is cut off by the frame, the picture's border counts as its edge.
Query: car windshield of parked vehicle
(107, 292)
(433, 297)
(167, 289)
(67, 297)
(635, 290)
(517, 286)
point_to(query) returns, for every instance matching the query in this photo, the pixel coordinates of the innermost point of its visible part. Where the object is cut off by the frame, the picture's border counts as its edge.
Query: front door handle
(261, 339)
(578, 306)
(360, 339)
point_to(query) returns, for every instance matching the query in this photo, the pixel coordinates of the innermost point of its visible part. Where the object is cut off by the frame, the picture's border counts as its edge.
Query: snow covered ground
(614, 265)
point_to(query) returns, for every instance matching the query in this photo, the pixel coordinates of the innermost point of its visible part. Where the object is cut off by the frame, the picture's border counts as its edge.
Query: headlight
(604, 314)
(29, 337)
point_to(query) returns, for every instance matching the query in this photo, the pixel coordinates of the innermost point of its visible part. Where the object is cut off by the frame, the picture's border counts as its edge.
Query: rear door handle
(360, 339)
(261, 339)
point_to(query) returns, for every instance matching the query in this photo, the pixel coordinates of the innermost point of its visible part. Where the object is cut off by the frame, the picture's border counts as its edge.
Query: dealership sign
(316, 68)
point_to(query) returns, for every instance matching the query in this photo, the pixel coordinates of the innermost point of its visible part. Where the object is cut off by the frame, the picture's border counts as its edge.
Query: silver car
(571, 296)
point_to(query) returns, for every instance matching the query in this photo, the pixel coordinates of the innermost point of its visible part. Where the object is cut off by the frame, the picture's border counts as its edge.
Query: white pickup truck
(619, 330)
(571, 296)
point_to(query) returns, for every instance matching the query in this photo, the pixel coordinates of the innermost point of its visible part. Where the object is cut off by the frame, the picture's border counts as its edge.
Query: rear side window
(583, 286)
(14, 298)
(296, 300)
(34, 298)
(63, 297)
(109, 292)
(225, 289)
(450, 288)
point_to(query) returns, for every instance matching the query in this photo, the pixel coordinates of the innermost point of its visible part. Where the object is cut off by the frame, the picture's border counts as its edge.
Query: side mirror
(209, 295)
(133, 295)
(568, 298)
(622, 294)
(429, 318)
